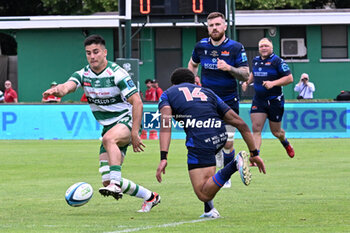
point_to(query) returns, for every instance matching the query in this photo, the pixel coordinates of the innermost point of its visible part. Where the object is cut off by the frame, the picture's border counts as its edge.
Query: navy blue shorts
(203, 157)
(233, 104)
(273, 108)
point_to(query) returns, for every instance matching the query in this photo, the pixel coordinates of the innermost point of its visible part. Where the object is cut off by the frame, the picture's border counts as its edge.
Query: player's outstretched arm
(233, 119)
(164, 140)
(61, 89)
(137, 108)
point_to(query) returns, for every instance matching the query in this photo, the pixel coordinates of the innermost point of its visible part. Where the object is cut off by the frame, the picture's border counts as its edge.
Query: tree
(22, 8)
(331, 3)
(71, 7)
(271, 4)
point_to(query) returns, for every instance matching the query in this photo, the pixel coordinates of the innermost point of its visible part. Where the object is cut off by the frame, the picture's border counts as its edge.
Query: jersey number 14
(196, 93)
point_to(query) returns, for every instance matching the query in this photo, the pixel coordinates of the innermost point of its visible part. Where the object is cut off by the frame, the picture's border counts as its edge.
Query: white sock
(133, 189)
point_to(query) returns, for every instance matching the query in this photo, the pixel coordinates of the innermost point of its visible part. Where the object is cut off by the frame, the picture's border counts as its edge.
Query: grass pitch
(310, 193)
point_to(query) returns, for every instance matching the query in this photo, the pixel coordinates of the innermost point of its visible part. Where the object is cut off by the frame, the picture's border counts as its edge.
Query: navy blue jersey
(221, 82)
(200, 112)
(270, 69)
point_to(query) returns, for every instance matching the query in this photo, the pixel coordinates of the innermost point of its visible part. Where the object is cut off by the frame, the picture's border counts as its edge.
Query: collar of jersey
(272, 54)
(225, 41)
(97, 74)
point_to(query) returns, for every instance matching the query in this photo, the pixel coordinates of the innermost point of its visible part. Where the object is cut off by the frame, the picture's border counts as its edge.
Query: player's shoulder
(81, 72)
(203, 43)
(113, 66)
(116, 70)
(232, 43)
(276, 59)
(256, 59)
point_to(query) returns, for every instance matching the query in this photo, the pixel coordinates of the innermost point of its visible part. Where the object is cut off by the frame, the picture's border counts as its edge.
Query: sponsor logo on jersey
(130, 83)
(97, 83)
(244, 57)
(260, 74)
(99, 93)
(214, 53)
(268, 63)
(225, 53)
(87, 84)
(210, 66)
(285, 67)
(109, 72)
(205, 52)
(254, 107)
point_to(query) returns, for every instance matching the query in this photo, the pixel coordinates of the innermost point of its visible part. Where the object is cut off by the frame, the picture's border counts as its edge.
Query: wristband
(254, 153)
(163, 155)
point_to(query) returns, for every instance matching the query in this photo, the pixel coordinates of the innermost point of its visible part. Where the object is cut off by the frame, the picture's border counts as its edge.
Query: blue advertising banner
(60, 121)
(300, 120)
(48, 122)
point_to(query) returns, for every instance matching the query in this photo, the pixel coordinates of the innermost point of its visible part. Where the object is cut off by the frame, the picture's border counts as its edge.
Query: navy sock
(228, 157)
(285, 143)
(208, 206)
(225, 173)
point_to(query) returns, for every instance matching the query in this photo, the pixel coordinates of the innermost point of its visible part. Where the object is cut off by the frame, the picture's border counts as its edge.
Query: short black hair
(182, 75)
(94, 39)
(148, 80)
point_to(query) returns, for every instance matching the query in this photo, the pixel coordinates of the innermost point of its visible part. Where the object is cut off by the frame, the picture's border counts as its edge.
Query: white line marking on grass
(160, 226)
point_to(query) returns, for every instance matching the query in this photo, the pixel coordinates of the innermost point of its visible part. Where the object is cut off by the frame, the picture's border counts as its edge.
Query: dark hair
(214, 15)
(148, 80)
(94, 39)
(182, 75)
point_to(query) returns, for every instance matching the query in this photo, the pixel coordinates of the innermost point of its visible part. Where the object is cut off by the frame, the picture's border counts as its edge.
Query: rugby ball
(79, 194)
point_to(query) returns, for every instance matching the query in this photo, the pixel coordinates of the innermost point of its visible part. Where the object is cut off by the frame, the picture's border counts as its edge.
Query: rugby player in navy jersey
(269, 74)
(222, 61)
(202, 114)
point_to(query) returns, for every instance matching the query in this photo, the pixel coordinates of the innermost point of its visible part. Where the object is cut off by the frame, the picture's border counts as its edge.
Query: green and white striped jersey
(106, 92)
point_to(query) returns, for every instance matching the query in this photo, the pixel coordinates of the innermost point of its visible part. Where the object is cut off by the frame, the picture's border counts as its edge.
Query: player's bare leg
(258, 122)
(279, 133)
(117, 136)
(206, 183)
(150, 199)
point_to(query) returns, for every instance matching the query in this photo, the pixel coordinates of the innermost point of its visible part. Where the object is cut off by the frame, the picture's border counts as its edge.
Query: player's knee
(257, 127)
(228, 145)
(277, 133)
(106, 140)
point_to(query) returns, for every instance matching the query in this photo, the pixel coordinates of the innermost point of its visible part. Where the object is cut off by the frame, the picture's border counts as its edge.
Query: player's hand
(222, 65)
(161, 169)
(268, 84)
(244, 86)
(137, 143)
(258, 162)
(51, 91)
